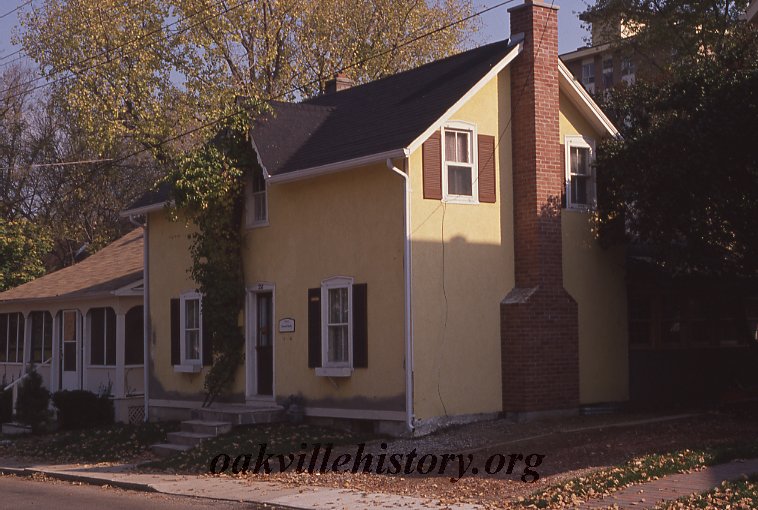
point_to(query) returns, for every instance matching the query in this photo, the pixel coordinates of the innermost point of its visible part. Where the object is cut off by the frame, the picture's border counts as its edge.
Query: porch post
(118, 389)
(27, 342)
(55, 363)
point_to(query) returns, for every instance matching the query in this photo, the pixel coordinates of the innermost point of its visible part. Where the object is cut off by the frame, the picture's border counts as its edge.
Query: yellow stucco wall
(344, 224)
(595, 279)
(457, 290)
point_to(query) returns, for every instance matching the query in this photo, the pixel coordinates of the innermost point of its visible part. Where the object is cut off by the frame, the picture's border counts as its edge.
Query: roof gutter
(307, 173)
(139, 211)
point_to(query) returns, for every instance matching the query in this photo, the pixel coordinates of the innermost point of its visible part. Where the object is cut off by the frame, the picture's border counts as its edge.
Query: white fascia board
(129, 290)
(519, 41)
(139, 211)
(307, 173)
(584, 102)
(266, 175)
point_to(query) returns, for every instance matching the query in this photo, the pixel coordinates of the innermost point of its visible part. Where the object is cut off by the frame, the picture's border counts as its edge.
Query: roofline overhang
(518, 41)
(104, 295)
(145, 209)
(580, 98)
(338, 166)
(585, 52)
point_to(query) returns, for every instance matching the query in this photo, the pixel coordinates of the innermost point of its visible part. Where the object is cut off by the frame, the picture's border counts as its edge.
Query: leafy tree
(683, 180)
(149, 69)
(23, 246)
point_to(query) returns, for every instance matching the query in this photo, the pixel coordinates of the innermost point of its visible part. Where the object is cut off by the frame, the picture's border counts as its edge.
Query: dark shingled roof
(380, 116)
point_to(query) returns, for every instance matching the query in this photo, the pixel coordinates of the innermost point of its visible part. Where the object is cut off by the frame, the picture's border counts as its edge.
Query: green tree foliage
(149, 69)
(23, 246)
(684, 178)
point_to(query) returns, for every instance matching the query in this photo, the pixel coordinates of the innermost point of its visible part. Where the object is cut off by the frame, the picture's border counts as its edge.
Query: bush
(80, 409)
(33, 402)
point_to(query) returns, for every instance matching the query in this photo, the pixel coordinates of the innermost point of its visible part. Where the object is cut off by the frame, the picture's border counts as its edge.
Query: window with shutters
(580, 175)
(459, 163)
(337, 322)
(191, 321)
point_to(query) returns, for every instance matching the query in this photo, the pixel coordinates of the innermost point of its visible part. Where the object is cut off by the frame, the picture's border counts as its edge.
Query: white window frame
(459, 126)
(16, 360)
(343, 368)
(588, 80)
(250, 220)
(183, 298)
(105, 338)
(586, 143)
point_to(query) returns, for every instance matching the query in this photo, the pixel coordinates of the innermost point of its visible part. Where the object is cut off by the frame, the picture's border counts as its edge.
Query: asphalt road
(20, 493)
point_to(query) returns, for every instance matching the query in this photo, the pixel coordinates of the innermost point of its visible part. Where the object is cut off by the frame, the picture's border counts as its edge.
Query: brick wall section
(539, 328)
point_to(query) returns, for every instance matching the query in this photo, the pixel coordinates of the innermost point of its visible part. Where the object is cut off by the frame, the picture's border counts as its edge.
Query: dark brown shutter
(206, 339)
(432, 166)
(360, 325)
(486, 155)
(314, 328)
(563, 169)
(175, 333)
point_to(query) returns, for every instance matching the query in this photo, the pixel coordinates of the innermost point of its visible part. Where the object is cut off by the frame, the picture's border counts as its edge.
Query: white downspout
(145, 315)
(408, 317)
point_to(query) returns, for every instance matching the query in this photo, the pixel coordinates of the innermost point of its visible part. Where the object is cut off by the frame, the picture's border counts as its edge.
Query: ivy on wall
(208, 186)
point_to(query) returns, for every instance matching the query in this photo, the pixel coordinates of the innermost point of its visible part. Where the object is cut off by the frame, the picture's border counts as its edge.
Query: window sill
(334, 371)
(257, 224)
(460, 200)
(188, 369)
(579, 208)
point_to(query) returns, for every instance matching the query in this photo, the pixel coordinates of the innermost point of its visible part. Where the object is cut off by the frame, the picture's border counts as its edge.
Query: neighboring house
(81, 327)
(602, 65)
(407, 255)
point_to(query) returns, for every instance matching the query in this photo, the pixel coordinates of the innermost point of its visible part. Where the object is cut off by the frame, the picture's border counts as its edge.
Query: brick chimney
(339, 82)
(539, 322)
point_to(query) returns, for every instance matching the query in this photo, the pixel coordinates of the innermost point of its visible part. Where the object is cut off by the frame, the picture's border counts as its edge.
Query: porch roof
(102, 274)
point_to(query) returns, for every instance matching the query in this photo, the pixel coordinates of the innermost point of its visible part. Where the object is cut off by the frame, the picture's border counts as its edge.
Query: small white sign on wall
(286, 325)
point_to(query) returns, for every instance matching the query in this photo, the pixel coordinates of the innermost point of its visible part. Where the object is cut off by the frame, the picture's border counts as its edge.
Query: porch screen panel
(133, 344)
(110, 337)
(97, 336)
(42, 336)
(3, 337)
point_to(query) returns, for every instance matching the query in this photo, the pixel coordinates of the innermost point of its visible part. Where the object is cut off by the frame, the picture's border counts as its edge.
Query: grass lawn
(115, 443)
(279, 438)
(639, 470)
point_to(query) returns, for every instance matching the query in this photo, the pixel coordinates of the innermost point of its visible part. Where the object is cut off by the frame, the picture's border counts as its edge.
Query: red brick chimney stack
(539, 323)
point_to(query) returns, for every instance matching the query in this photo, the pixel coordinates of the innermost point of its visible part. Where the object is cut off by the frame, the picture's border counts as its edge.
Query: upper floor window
(459, 183)
(580, 178)
(627, 71)
(588, 75)
(257, 210)
(608, 73)
(191, 320)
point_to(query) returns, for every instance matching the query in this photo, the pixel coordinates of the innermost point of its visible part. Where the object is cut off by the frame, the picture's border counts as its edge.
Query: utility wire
(259, 102)
(105, 52)
(16, 9)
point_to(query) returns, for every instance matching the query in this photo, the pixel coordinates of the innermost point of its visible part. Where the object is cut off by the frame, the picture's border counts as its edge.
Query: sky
(494, 27)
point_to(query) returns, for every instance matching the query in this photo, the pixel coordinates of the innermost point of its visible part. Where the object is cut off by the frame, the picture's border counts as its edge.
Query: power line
(16, 9)
(127, 43)
(292, 90)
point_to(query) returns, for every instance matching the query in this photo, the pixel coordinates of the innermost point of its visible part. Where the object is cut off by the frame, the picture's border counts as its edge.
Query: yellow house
(418, 250)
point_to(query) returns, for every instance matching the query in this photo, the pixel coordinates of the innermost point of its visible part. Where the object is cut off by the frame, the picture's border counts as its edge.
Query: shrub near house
(80, 409)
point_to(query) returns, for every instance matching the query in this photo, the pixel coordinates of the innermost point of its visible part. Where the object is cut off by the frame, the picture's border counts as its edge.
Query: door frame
(79, 333)
(251, 361)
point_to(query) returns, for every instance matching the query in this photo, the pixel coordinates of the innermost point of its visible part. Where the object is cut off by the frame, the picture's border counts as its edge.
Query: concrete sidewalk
(228, 489)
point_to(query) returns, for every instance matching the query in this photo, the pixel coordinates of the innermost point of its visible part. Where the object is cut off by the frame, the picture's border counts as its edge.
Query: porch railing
(14, 386)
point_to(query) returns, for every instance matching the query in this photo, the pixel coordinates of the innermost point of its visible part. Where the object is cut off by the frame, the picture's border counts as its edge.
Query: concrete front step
(166, 449)
(240, 416)
(15, 429)
(188, 438)
(206, 427)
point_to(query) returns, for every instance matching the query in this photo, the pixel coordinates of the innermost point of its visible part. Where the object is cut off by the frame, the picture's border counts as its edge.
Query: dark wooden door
(264, 343)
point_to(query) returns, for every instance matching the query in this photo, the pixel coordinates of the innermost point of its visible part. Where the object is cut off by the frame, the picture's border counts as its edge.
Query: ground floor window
(191, 321)
(42, 337)
(102, 337)
(133, 336)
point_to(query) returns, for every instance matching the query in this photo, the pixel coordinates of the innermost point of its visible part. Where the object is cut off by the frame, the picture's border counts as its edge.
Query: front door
(264, 343)
(71, 335)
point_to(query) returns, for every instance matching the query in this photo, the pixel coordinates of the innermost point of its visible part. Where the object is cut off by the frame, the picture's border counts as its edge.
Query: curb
(89, 480)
